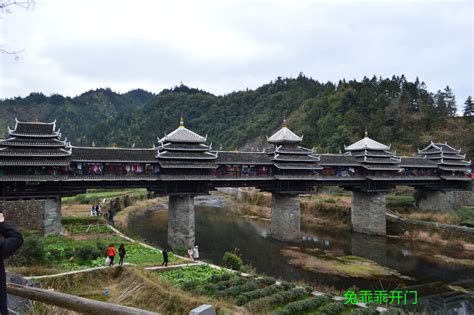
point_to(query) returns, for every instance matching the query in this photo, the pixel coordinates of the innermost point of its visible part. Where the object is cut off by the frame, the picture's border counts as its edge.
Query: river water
(218, 230)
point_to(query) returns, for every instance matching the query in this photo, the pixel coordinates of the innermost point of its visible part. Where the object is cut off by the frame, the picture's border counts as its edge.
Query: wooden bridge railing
(73, 303)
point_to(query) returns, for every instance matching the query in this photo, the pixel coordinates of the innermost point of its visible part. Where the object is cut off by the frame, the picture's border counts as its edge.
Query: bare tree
(6, 8)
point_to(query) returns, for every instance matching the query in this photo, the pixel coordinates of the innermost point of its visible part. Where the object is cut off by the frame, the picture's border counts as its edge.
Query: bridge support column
(43, 216)
(285, 217)
(181, 222)
(368, 213)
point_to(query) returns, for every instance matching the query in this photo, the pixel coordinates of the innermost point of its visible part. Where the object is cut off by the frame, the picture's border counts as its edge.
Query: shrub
(232, 261)
(69, 252)
(55, 254)
(87, 253)
(332, 308)
(266, 280)
(31, 253)
(220, 277)
(303, 305)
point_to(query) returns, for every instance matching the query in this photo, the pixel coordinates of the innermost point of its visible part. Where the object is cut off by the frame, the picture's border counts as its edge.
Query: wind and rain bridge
(38, 167)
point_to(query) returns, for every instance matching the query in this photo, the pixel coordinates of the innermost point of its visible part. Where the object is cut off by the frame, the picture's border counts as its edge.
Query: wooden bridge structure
(37, 164)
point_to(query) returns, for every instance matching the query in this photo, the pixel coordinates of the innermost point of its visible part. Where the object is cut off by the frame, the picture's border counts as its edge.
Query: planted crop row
(236, 290)
(210, 288)
(246, 297)
(332, 308)
(302, 305)
(282, 297)
(192, 276)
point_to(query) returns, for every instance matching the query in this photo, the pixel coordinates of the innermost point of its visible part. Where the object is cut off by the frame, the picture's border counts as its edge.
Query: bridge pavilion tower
(368, 202)
(452, 167)
(186, 162)
(291, 162)
(34, 150)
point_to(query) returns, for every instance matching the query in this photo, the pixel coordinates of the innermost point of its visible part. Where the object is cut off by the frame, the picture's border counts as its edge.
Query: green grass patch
(400, 201)
(465, 215)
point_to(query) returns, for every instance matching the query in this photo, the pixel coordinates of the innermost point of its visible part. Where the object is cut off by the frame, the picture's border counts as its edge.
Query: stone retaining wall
(43, 216)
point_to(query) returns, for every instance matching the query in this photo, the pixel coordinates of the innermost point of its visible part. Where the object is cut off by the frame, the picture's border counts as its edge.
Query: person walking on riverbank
(111, 254)
(190, 253)
(8, 246)
(122, 253)
(196, 253)
(165, 257)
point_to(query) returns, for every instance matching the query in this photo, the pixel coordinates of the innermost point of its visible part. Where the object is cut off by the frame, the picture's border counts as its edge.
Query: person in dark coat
(165, 257)
(8, 247)
(122, 253)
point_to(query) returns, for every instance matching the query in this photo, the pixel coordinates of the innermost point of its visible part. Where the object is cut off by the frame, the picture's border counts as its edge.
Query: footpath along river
(431, 270)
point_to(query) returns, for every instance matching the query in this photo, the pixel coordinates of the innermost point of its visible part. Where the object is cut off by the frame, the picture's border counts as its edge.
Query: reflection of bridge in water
(36, 164)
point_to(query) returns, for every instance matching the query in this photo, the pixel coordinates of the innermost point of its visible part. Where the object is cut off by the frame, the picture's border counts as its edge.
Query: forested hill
(329, 115)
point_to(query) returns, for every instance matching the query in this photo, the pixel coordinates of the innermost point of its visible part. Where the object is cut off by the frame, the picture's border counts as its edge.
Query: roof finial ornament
(366, 132)
(285, 123)
(181, 121)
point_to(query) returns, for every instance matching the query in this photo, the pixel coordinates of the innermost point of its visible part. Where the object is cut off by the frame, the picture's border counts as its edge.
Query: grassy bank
(83, 246)
(97, 195)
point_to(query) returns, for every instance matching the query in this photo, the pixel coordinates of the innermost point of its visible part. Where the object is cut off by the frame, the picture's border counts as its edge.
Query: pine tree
(468, 107)
(450, 100)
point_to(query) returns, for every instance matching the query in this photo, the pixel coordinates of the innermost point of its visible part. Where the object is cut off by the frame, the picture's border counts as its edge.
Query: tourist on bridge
(8, 247)
(122, 253)
(111, 254)
(196, 253)
(190, 253)
(165, 257)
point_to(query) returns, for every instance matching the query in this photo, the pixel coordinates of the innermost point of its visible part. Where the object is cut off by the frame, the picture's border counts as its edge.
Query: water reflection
(219, 230)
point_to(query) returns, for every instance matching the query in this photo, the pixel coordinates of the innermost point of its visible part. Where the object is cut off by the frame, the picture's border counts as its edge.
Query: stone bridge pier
(181, 218)
(285, 224)
(368, 213)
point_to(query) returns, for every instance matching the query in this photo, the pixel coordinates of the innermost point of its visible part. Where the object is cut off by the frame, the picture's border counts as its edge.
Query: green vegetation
(298, 307)
(232, 261)
(96, 195)
(403, 201)
(198, 275)
(84, 248)
(465, 216)
(330, 115)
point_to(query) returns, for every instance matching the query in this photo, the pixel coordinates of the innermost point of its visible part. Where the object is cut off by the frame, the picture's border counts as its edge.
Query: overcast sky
(223, 46)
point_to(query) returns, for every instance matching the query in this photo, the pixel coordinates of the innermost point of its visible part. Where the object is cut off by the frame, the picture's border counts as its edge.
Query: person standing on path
(122, 253)
(190, 253)
(8, 246)
(111, 254)
(196, 253)
(165, 257)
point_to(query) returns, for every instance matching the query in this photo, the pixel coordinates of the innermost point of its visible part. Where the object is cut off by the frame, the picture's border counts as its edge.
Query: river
(218, 230)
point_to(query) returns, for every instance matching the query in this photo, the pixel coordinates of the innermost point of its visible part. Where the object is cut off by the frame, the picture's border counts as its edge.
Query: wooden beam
(72, 302)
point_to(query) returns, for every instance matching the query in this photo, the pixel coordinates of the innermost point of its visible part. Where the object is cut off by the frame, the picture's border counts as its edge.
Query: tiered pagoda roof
(184, 148)
(446, 157)
(373, 155)
(34, 143)
(287, 155)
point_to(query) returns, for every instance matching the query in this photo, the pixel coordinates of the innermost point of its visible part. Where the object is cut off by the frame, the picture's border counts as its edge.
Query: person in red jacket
(111, 254)
(8, 247)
